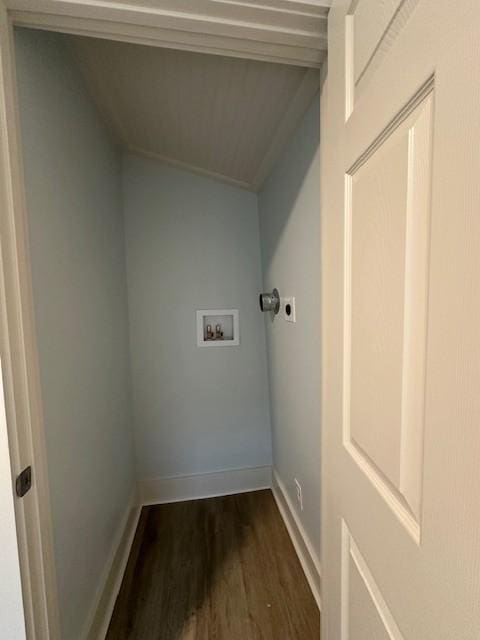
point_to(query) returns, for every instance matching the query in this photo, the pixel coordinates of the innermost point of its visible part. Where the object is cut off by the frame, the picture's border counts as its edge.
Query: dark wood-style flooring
(215, 569)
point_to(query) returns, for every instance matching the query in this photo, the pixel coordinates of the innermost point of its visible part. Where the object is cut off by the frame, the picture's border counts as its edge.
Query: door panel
(387, 239)
(371, 28)
(401, 323)
(365, 615)
(371, 19)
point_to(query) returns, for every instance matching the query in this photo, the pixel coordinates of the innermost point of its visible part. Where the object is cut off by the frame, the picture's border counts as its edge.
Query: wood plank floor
(215, 569)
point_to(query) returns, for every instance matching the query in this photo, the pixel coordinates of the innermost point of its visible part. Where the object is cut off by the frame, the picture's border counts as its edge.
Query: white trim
(98, 620)
(218, 313)
(305, 551)
(285, 34)
(194, 487)
(23, 401)
(203, 485)
(156, 37)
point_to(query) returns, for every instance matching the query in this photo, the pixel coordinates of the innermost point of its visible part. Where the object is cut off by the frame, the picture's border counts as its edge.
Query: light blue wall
(289, 209)
(193, 243)
(73, 177)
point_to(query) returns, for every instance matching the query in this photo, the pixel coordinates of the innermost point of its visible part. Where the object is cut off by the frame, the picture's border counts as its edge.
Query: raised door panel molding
(371, 20)
(386, 288)
(372, 27)
(365, 614)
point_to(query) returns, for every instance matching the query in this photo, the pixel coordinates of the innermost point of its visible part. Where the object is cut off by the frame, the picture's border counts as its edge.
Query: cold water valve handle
(270, 301)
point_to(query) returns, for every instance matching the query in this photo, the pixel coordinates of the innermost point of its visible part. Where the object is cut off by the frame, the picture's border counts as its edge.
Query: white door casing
(20, 370)
(401, 322)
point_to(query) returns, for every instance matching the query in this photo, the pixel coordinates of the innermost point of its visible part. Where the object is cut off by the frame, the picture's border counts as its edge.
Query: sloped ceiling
(222, 116)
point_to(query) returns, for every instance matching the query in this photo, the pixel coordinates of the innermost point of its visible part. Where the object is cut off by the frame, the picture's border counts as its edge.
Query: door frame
(263, 32)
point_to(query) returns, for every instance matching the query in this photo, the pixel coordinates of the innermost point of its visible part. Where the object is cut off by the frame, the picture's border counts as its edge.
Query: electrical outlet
(298, 487)
(289, 309)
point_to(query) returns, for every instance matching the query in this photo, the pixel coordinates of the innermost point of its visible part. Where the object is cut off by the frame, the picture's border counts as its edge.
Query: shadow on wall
(281, 190)
(290, 224)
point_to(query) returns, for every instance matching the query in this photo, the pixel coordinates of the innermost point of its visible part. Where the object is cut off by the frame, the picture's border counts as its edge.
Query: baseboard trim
(204, 485)
(303, 547)
(194, 487)
(97, 623)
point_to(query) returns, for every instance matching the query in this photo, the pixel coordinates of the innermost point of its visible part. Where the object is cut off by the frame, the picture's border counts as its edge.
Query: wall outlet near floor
(289, 309)
(298, 487)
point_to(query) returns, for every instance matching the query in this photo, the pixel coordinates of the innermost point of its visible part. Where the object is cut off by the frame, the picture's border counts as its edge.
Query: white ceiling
(223, 116)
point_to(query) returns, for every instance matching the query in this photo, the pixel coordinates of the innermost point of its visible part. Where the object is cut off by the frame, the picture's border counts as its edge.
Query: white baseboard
(305, 551)
(96, 625)
(180, 488)
(204, 485)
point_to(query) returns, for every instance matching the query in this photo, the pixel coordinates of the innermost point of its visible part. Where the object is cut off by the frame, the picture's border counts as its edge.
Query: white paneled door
(401, 325)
